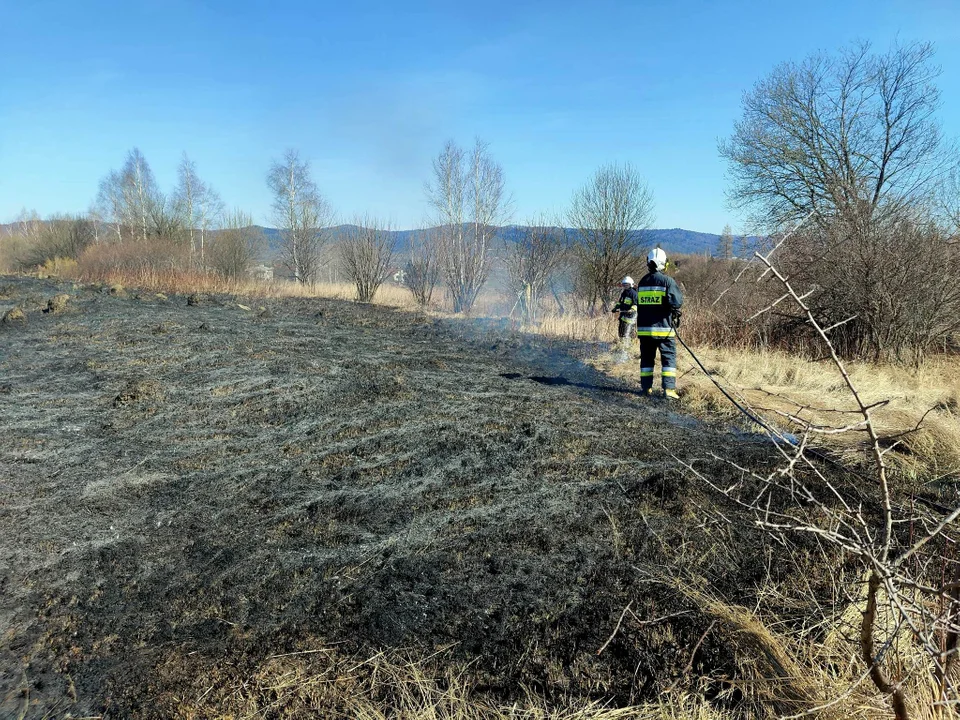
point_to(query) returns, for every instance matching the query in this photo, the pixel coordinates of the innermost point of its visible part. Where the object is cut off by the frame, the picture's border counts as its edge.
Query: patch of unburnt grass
(139, 392)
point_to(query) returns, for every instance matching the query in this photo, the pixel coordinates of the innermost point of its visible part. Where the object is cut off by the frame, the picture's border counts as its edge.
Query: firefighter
(658, 312)
(627, 307)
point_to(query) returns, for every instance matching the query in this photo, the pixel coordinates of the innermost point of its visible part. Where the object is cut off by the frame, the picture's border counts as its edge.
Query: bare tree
(301, 213)
(208, 212)
(365, 255)
(131, 202)
(422, 271)
(19, 240)
(468, 195)
(725, 244)
(237, 246)
(852, 142)
(189, 187)
(95, 217)
(843, 135)
(140, 194)
(538, 252)
(110, 203)
(609, 214)
(76, 234)
(198, 204)
(949, 204)
(29, 225)
(896, 286)
(167, 221)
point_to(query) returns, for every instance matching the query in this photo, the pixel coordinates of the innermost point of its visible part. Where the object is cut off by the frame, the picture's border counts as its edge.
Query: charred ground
(189, 490)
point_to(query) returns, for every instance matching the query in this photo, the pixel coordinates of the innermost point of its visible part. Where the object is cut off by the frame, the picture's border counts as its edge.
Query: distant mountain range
(674, 240)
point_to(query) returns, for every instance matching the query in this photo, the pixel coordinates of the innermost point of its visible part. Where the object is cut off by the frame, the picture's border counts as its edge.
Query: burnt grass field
(188, 491)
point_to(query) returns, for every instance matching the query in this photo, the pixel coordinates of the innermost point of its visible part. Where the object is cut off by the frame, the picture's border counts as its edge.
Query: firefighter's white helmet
(627, 281)
(657, 259)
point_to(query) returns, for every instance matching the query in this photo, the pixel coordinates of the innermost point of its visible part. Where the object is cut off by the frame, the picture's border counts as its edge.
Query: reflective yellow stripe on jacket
(656, 332)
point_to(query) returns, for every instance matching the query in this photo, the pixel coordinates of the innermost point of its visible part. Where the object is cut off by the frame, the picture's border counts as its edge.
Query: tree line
(468, 206)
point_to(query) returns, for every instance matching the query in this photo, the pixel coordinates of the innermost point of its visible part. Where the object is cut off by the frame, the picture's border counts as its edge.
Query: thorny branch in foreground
(909, 599)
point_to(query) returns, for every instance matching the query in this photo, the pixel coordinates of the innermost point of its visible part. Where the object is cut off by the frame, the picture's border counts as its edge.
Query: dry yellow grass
(778, 385)
(388, 294)
(189, 282)
(319, 683)
(178, 281)
(905, 660)
(578, 327)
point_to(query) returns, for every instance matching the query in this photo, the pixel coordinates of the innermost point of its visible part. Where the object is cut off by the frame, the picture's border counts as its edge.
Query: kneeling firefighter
(627, 307)
(658, 313)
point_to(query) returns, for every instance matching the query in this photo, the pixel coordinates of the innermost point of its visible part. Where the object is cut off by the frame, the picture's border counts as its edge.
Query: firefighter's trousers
(648, 360)
(626, 329)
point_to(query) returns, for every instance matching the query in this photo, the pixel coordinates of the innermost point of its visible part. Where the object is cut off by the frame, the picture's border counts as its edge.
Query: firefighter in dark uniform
(627, 307)
(658, 311)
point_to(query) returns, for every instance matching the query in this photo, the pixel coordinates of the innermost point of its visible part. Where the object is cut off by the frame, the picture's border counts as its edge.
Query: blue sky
(369, 91)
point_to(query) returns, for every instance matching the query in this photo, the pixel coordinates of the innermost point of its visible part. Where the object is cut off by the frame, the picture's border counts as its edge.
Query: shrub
(13, 250)
(141, 260)
(61, 236)
(890, 287)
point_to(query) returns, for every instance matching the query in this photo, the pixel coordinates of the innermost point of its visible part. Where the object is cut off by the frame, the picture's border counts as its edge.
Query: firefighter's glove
(614, 310)
(675, 317)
